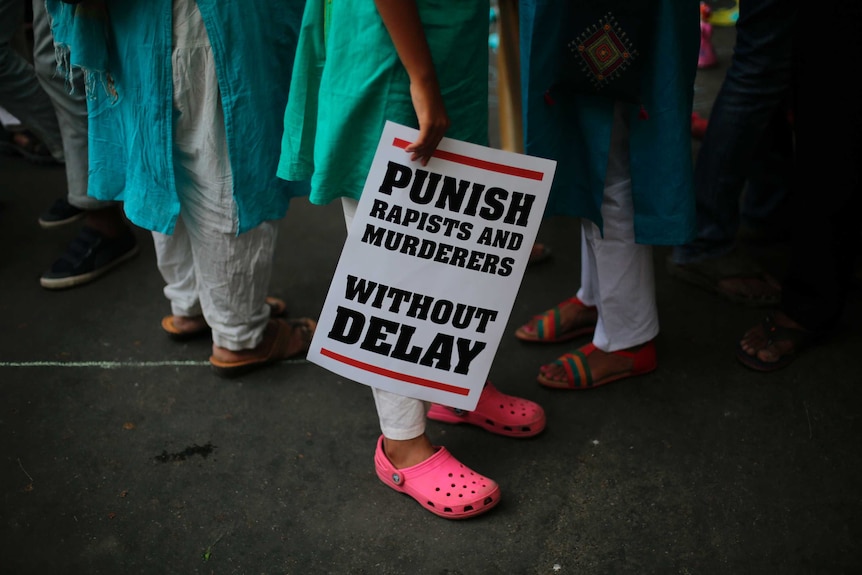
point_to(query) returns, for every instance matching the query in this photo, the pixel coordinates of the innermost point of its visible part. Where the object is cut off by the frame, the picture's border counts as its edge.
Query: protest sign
(431, 267)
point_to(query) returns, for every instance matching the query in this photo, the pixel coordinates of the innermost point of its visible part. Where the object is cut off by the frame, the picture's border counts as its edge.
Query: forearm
(401, 18)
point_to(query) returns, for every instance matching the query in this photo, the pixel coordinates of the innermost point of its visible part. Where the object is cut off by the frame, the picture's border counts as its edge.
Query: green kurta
(346, 86)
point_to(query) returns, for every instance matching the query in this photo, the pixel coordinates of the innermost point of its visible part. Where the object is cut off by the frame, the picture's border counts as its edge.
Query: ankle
(107, 221)
(784, 320)
(407, 452)
(189, 322)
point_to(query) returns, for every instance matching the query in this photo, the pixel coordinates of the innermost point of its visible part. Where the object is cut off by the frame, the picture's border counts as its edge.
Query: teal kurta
(576, 131)
(131, 133)
(346, 85)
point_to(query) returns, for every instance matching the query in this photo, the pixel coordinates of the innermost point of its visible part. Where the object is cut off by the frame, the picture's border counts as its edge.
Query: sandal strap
(550, 323)
(578, 373)
(776, 333)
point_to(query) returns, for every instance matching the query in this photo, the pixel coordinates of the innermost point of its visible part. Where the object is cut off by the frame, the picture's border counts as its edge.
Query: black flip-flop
(799, 338)
(708, 273)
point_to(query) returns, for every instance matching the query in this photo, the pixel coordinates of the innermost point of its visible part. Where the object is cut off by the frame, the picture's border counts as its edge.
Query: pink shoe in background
(698, 126)
(706, 58)
(496, 412)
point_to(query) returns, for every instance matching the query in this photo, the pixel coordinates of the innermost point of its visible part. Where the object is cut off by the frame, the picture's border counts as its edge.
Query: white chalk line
(117, 364)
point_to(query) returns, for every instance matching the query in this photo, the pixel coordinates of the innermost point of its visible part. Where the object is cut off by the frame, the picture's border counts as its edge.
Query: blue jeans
(739, 146)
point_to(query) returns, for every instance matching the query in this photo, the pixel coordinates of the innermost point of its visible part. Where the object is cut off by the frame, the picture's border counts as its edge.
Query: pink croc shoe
(496, 412)
(441, 484)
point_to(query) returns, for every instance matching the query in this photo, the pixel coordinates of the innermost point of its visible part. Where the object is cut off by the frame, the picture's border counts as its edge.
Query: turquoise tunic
(131, 133)
(576, 131)
(346, 85)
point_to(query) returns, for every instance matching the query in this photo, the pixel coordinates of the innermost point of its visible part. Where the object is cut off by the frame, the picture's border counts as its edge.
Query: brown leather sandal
(292, 339)
(277, 308)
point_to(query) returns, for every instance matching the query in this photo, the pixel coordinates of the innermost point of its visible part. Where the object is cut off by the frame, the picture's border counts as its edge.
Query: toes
(553, 372)
(768, 355)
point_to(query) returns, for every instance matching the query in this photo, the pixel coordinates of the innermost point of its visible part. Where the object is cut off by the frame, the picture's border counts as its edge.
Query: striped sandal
(579, 376)
(548, 327)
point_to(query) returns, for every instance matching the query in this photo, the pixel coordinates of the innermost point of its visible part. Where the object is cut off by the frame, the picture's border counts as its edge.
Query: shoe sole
(48, 224)
(64, 283)
(443, 415)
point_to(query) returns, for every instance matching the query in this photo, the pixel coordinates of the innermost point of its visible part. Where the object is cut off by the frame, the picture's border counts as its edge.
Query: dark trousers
(828, 152)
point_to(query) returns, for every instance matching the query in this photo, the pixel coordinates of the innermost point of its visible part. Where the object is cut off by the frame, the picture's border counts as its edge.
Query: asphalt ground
(121, 452)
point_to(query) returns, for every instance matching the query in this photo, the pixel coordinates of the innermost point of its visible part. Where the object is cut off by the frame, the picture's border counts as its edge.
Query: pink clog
(496, 412)
(441, 484)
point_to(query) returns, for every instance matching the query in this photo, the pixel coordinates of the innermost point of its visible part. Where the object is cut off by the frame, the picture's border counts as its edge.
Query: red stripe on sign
(394, 374)
(477, 163)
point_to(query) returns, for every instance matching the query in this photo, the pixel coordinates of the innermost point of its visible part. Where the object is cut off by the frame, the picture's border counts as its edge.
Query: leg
(617, 275)
(826, 230)
(625, 283)
(106, 240)
(825, 247)
(402, 422)
(756, 85)
(70, 104)
(20, 91)
(176, 264)
(769, 182)
(427, 473)
(572, 318)
(736, 141)
(231, 272)
(402, 419)
(406, 461)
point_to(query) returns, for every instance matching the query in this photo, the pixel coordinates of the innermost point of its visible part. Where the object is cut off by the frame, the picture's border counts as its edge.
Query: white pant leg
(232, 272)
(401, 417)
(587, 292)
(176, 264)
(617, 274)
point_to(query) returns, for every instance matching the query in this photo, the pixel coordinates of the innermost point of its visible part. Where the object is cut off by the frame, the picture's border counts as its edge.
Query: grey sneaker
(89, 256)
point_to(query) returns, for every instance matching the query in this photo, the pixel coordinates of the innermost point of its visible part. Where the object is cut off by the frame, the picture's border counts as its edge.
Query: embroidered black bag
(605, 47)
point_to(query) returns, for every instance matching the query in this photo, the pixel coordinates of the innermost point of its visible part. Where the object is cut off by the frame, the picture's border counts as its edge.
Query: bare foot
(408, 452)
(759, 342)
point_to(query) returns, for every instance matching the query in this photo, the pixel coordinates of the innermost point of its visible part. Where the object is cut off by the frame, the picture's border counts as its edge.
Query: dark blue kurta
(576, 131)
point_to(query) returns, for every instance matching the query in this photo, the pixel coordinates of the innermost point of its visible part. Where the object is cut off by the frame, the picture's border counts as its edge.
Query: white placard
(431, 267)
